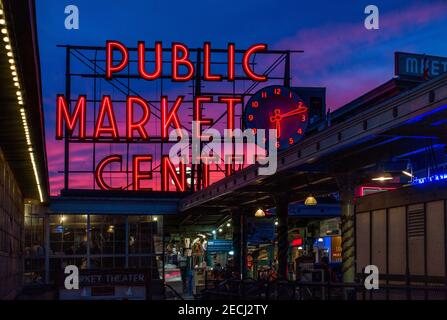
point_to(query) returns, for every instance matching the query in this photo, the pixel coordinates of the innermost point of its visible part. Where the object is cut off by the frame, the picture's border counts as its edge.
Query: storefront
(403, 233)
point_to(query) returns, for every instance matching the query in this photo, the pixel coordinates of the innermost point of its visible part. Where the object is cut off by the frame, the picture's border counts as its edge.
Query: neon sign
(433, 178)
(72, 122)
(279, 108)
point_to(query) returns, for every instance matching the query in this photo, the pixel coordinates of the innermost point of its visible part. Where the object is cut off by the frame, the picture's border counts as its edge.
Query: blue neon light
(433, 178)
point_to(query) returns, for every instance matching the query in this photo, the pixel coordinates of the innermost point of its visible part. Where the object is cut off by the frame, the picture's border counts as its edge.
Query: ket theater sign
(71, 120)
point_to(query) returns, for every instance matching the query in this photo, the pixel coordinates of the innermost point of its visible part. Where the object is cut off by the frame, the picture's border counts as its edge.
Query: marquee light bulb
(2, 21)
(4, 31)
(6, 39)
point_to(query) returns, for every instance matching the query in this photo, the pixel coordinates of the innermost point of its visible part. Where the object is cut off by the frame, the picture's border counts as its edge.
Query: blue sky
(340, 53)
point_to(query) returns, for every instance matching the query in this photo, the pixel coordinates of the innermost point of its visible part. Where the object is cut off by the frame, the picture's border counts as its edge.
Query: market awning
(406, 123)
(20, 23)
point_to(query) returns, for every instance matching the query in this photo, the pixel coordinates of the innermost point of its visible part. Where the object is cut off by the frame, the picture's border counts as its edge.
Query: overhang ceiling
(20, 17)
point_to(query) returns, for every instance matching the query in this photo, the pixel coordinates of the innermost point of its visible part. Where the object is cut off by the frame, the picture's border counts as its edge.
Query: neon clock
(277, 107)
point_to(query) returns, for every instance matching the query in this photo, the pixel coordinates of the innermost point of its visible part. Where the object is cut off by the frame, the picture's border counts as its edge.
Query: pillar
(282, 212)
(47, 248)
(347, 200)
(89, 234)
(239, 220)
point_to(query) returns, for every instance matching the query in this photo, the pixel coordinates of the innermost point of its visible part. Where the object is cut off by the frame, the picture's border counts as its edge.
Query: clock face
(277, 107)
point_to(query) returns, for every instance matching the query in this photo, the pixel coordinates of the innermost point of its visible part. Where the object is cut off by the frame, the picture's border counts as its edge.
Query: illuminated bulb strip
(16, 81)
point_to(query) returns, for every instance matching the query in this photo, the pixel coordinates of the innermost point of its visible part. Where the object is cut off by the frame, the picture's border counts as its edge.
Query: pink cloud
(332, 46)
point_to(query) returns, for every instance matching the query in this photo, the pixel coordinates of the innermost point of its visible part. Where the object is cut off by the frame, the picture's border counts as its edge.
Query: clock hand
(276, 118)
(299, 110)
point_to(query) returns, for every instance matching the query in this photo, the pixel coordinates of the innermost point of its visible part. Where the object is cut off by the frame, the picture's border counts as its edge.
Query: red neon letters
(170, 117)
(100, 169)
(138, 111)
(138, 174)
(182, 67)
(170, 172)
(139, 125)
(78, 116)
(158, 61)
(246, 62)
(100, 128)
(110, 67)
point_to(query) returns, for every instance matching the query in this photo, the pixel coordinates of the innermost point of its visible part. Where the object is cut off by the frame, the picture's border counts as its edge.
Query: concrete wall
(11, 233)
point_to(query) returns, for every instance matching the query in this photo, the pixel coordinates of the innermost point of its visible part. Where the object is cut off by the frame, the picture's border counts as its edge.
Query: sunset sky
(339, 53)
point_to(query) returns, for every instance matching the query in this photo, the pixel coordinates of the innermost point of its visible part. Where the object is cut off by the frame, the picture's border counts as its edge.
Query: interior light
(310, 201)
(407, 173)
(259, 213)
(382, 178)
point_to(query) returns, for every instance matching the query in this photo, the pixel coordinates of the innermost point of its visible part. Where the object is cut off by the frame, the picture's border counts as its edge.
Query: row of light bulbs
(15, 79)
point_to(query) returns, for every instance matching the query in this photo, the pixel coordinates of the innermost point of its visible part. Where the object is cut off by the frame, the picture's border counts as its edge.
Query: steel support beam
(282, 211)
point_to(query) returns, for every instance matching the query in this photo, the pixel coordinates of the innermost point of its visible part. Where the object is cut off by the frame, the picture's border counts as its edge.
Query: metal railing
(250, 289)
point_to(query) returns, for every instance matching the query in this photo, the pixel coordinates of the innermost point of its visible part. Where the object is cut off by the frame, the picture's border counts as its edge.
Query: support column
(244, 245)
(88, 242)
(239, 242)
(347, 200)
(282, 212)
(126, 251)
(47, 248)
